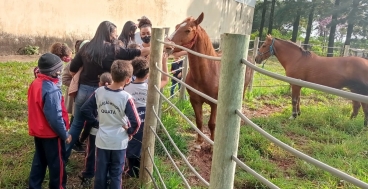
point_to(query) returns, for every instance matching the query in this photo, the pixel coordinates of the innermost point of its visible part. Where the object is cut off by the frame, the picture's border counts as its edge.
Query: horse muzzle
(258, 59)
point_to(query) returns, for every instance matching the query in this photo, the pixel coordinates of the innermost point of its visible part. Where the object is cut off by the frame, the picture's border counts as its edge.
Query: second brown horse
(336, 72)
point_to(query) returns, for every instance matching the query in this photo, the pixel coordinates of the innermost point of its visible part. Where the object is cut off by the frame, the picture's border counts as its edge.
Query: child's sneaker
(86, 182)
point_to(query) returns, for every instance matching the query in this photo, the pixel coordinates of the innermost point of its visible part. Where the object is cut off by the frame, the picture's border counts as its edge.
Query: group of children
(114, 116)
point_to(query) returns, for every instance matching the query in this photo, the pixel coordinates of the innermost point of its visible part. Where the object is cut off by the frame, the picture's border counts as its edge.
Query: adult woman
(145, 27)
(96, 57)
(127, 33)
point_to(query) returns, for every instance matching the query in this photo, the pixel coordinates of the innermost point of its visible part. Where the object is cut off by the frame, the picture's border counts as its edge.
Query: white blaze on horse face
(173, 34)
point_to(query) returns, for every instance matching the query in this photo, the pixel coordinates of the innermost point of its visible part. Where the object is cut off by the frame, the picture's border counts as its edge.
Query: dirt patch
(201, 160)
(19, 58)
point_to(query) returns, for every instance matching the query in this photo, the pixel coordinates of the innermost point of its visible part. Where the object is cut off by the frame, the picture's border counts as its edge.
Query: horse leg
(197, 107)
(212, 121)
(298, 106)
(356, 107)
(365, 110)
(295, 97)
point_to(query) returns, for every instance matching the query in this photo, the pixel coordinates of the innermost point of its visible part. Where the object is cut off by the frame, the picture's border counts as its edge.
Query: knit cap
(49, 64)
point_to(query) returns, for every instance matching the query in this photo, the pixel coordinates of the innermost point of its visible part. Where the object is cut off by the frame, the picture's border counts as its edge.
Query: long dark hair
(95, 50)
(126, 31)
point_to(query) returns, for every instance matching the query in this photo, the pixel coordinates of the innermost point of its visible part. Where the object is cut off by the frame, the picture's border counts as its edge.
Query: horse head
(186, 33)
(266, 50)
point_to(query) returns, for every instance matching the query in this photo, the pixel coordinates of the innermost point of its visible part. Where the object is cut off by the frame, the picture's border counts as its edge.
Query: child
(138, 89)
(66, 80)
(48, 124)
(175, 66)
(112, 104)
(89, 132)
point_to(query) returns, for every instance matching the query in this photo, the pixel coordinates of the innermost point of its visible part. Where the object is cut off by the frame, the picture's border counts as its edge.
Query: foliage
(28, 50)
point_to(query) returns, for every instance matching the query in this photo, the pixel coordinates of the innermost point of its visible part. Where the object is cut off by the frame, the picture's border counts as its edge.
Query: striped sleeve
(133, 117)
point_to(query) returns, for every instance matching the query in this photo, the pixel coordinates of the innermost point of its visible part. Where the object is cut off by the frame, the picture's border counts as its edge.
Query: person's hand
(69, 139)
(125, 127)
(145, 51)
(179, 75)
(130, 137)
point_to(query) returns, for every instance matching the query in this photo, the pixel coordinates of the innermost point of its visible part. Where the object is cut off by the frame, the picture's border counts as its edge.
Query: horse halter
(191, 42)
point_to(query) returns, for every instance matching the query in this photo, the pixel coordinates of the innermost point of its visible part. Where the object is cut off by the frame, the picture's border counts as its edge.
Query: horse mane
(206, 41)
(304, 52)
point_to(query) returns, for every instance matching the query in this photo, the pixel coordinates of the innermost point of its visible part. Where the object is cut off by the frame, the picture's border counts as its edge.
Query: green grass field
(324, 131)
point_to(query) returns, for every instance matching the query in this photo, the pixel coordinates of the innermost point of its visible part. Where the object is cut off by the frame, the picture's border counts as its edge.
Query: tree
(263, 19)
(309, 26)
(334, 22)
(270, 22)
(352, 20)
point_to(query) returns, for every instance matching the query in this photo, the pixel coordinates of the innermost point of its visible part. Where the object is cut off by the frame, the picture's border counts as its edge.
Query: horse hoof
(197, 147)
(292, 117)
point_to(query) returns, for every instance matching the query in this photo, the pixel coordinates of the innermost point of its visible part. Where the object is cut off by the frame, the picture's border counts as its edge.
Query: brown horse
(336, 72)
(203, 74)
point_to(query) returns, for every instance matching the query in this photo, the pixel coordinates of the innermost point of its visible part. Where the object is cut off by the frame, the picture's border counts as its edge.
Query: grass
(323, 131)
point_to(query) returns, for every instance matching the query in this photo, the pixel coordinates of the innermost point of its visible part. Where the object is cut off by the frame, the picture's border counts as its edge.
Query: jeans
(84, 92)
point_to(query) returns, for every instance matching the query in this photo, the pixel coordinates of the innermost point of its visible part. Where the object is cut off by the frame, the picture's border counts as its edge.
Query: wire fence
(237, 112)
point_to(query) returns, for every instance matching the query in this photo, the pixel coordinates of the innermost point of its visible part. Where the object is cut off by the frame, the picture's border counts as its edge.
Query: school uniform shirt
(138, 92)
(113, 106)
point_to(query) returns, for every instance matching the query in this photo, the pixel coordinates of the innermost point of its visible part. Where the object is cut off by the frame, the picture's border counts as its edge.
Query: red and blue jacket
(47, 115)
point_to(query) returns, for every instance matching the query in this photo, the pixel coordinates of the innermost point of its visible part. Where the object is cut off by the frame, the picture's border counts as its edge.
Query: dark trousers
(50, 152)
(134, 149)
(89, 164)
(112, 162)
(173, 86)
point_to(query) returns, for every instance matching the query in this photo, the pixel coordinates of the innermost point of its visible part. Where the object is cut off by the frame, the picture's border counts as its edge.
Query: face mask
(59, 83)
(146, 39)
(67, 59)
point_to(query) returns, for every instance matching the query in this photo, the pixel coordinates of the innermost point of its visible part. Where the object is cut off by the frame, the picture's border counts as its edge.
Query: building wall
(42, 22)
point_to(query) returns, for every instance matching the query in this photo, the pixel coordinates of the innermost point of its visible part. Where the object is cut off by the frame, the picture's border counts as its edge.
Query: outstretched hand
(69, 139)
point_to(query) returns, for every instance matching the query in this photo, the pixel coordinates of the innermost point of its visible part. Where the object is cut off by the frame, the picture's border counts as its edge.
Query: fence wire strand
(189, 87)
(299, 82)
(185, 118)
(301, 155)
(156, 169)
(179, 152)
(153, 180)
(255, 174)
(171, 159)
(192, 52)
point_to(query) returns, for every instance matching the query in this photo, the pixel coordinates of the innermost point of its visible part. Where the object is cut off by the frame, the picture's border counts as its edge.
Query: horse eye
(187, 31)
(263, 45)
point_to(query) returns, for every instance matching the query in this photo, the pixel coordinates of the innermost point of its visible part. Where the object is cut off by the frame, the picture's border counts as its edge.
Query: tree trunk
(351, 21)
(270, 22)
(296, 27)
(331, 39)
(263, 19)
(309, 28)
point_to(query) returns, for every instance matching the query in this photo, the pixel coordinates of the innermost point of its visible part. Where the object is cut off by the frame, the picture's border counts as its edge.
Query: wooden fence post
(254, 54)
(152, 102)
(229, 99)
(346, 50)
(184, 73)
(166, 31)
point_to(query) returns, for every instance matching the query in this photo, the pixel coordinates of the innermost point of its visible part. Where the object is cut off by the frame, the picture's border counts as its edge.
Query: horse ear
(199, 19)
